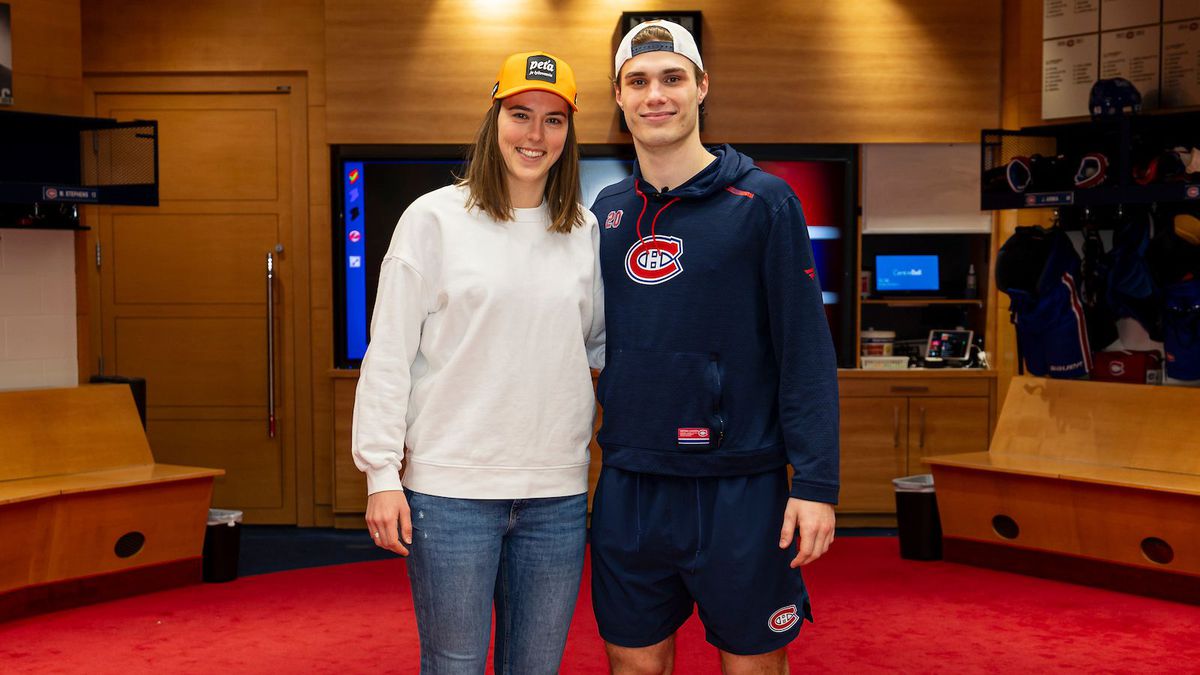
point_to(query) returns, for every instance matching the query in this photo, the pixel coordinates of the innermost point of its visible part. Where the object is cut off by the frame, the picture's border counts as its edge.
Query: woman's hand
(384, 510)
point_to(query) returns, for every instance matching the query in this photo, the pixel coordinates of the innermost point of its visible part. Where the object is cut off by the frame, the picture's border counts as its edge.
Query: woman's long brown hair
(487, 180)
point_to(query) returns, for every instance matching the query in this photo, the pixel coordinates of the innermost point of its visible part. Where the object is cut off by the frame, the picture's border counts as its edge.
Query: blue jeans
(525, 555)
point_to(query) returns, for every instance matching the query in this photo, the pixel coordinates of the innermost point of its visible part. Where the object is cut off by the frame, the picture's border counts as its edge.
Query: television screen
(375, 184)
(906, 273)
(819, 185)
(376, 192)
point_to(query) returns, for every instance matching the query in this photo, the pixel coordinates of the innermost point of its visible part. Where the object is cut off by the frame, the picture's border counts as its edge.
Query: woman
(489, 305)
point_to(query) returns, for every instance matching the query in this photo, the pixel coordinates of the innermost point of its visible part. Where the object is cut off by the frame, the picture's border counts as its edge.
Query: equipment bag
(1181, 325)
(1039, 271)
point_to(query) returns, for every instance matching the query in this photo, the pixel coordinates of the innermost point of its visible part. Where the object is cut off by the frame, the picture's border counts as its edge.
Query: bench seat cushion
(27, 489)
(1145, 479)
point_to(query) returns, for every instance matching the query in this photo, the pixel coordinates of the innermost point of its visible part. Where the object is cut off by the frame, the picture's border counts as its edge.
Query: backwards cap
(536, 71)
(681, 43)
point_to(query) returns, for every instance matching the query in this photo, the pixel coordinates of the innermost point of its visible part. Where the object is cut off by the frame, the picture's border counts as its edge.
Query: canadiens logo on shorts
(654, 260)
(783, 619)
(693, 436)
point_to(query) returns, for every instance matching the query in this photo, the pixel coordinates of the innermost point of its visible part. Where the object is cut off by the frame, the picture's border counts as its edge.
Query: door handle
(270, 345)
(921, 443)
(895, 426)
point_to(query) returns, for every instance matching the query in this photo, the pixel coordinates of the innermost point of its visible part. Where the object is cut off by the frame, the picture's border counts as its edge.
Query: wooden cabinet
(874, 441)
(944, 426)
(891, 421)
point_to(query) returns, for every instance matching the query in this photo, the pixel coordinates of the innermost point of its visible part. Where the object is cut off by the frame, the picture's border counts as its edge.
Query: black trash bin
(222, 545)
(917, 518)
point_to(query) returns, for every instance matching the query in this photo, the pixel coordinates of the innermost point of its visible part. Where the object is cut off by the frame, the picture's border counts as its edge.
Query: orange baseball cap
(536, 71)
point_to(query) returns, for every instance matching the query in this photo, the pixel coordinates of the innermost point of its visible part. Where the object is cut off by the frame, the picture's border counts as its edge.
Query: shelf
(58, 159)
(921, 302)
(1101, 196)
(46, 228)
(1124, 141)
(865, 374)
(12, 192)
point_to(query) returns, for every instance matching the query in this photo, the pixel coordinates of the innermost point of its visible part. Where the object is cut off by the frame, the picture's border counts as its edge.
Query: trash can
(222, 544)
(917, 518)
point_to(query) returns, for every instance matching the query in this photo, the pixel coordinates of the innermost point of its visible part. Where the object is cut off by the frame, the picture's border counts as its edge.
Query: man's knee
(771, 663)
(657, 659)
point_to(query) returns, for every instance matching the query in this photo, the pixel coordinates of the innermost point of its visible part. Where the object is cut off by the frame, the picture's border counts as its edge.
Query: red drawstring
(664, 208)
(645, 203)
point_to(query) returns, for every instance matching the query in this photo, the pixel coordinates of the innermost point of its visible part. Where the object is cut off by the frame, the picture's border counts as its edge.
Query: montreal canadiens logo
(654, 260)
(1116, 368)
(783, 619)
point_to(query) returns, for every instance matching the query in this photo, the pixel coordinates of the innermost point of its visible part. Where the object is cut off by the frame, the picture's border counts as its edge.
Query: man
(720, 372)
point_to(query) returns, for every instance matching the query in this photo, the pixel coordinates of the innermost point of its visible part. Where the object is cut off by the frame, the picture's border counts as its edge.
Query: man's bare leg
(657, 659)
(771, 663)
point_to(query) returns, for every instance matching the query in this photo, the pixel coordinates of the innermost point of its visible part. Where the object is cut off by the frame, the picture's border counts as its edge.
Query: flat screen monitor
(907, 274)
(375, 184)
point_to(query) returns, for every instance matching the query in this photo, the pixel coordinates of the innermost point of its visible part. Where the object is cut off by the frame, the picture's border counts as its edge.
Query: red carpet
(875, 613)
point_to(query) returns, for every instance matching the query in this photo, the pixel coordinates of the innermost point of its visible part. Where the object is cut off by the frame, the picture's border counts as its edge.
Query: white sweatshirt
(479, 355)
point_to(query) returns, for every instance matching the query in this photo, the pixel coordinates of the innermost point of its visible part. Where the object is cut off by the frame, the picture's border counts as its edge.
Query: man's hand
(815, 521)
(384, 511)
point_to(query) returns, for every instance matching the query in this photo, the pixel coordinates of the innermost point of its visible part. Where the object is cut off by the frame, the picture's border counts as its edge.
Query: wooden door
(945, 426)
(182, 288)
(874, 437)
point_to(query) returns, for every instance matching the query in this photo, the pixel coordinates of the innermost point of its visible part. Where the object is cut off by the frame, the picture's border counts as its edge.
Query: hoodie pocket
(666, 401)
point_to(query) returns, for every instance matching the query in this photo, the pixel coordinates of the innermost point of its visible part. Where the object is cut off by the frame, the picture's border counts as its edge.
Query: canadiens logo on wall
(654, 260)
(5, 55)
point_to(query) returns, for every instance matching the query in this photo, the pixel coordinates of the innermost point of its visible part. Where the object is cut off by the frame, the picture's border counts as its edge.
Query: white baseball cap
(681, 43)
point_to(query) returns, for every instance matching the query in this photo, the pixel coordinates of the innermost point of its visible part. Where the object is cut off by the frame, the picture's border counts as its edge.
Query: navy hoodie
(719, 358)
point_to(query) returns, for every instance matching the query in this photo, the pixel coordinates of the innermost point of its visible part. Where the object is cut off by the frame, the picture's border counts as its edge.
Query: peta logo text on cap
(541, 68)
(536, 71)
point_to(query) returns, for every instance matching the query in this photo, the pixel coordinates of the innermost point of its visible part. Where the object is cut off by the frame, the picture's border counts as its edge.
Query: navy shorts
(661, 545)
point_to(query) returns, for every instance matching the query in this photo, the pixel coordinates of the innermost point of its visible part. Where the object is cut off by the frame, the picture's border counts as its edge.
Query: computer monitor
(908, 274)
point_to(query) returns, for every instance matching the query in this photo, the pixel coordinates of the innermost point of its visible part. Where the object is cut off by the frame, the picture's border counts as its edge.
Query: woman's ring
(376, 535)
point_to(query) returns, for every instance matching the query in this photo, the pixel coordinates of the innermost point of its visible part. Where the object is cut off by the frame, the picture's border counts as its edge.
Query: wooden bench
(85, 512)
(1090, 482)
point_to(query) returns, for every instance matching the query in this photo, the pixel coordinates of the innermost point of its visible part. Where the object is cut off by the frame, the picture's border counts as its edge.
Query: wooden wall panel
(782, 71)
(1022, 101)
(207, 258)
(45, 79)
(140, 36)
(195, 361)
(349, 485)
(255, 471)
(233, 149)
(323, 410)
(420, 72)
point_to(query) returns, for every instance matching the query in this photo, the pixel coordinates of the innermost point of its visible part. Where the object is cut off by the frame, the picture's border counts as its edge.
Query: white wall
(37, 309)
